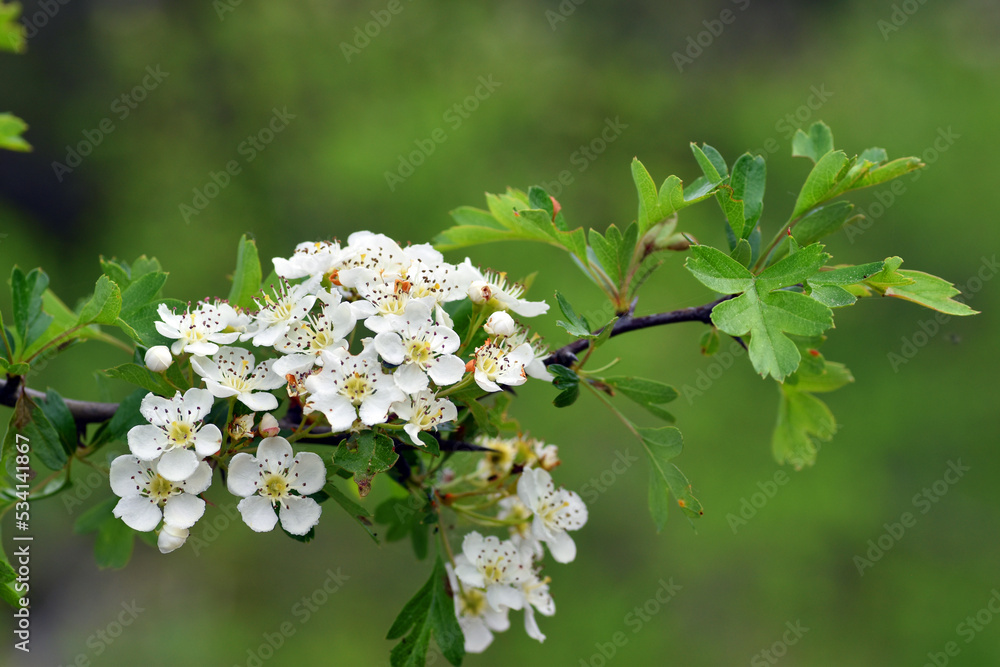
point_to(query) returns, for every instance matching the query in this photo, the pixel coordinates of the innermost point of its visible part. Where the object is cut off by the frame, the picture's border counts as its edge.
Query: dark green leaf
(366, 455)
(30, 321)
(113, 547)
(356, 511)
(431, 612)
(142, 377)
(141, 292)
(94, 517)
(61, 419)
(104, 306)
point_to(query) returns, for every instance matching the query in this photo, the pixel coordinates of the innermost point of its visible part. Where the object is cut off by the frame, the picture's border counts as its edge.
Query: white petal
(410, 378)
(446, 369)
(201, 348)
(477, 636)
(527, 488)
(485, 383)
(307, 473)
(258, 514)
(299, 515)
(390, 347)
(128, 476)
(561, 546)
(183, 511)
(244, 475)
(530, 625)
(138, 513)
(375, 409)
(259, 402)
(500, 596)
(197, 403)
(208, 441)
(157, 410)
(206, 368)
(340, 413)
(275, 453)
(469, 575)
(177, 464)
(529, 308)
(171, 538)
(146, 441)
(199, 481)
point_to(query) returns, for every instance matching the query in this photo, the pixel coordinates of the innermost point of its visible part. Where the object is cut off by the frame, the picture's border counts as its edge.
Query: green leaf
(117, 271)
(113, 547)
(663, 444)
(12, 37)
(431, 612)
(814, 145)
(141, 292)
(847, 275)
(481, 415)
(246, 277)
(30, 321)
(821, 184)
(567, 397)
(656, 207)
(142, 322)
(817, 224)
(889, 276)
(803, 421)
(710, 341)
(748, 180)
(764, 310)
(126, 416)
(357, 512)
(650, 394)
(930, 291)
(142, 377)
(45, 442)
(11, 129)
(711, 163)
(615, 250)
(365, 456)
(576, 325)
(742, 253)
(104, 306)
(832, 296)
(61, 419)
(405, 517)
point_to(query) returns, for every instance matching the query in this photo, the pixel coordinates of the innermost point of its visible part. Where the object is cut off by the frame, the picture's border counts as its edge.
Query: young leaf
(764, 310)
(663, 444)
(748, 180)
(11, 129)
(365, 456)
(246, 277)
(431, 612)
(650, 394)
(814, 145)
(30, 321)
(576, 325)
(711, 163)
(931, 292)
(104, 306)
(141, 292)
(357, 512)
(821, 184)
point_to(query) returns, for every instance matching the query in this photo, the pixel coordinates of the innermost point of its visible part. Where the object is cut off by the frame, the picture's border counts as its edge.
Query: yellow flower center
(418, 352)
(356, 388)
(181, 433)
(160, 489)
(275, 486)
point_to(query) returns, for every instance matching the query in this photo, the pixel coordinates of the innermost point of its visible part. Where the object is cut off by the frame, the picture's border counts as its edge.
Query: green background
(324, 175)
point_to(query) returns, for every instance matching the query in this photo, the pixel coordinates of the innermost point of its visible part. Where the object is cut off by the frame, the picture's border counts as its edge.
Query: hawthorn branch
(566, 355)
(90, 412)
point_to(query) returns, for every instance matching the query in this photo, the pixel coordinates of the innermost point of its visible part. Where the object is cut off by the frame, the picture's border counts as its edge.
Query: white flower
(241, 427)
(350, 387)
(496, 566)
(314, 260)
(499, 461)
(174, 429)
(423, 412)
(496, 365)
(200, 331)
(536, 596)
(232, 373)
(144, 492)
(171, 538)
(277, 315)
(521, 534)
(536, 367)
(381, 298)
(477, 619)
(370, 256)
(304, 340)
(493, 289)
(158, 358)
(269, 479)
(500, 324)
(556, 511)
(419, 348)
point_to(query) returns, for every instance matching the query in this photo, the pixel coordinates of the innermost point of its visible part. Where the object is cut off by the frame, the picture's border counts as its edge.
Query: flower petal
(138, 513)
(183, 511)
(307, 473)
(146, 441)
(410, 378)
(171, 538)
(177, 464)
(259, 402)
(275, 453)
(446, 369)
(500, 596)
(299, 515)
(244, 475)
(258, 514)
(209, 440)
(128, 476)
(561, 546)
(199, 480)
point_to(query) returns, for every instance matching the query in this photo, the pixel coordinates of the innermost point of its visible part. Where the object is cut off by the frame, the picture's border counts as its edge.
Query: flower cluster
(492, 577)
(357, 335)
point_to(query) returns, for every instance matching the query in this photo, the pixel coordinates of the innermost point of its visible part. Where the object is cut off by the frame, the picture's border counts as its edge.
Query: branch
(566, 355)
(89, 412)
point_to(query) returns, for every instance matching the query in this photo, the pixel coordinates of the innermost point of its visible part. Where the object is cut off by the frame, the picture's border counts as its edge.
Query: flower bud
(480, 291)
(500, 324)
(269, 426)
(158, 358)
(242, 427)
(171, 538)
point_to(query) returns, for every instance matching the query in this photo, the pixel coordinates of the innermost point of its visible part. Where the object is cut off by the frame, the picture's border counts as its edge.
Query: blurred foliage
(212, 80)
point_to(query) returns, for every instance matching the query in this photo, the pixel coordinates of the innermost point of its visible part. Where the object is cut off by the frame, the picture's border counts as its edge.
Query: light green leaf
(931, 292)
(803, 421)
(711, 163)
(748, 181)
(661, 445)
(847, 275)
(832, 296)
(821, 183)
(366, 455)
(889, 276)
(814, 145)
(12, 37)
(650, 394)
(11, 128)
(575, 324)
(141, 292)
(718, 271)
(742, 253)
(246, 277)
